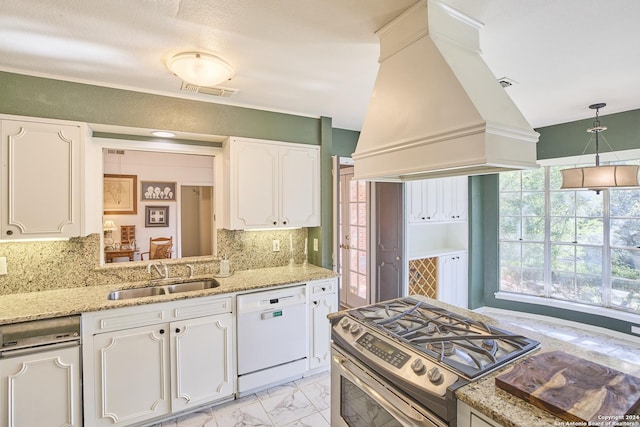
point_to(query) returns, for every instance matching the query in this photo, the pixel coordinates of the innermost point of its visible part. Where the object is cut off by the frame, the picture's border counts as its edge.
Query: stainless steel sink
(192, 286)
(136, 293)
(196, 285)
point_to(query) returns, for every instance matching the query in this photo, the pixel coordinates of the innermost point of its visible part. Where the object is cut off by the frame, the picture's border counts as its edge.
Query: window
(571, 245)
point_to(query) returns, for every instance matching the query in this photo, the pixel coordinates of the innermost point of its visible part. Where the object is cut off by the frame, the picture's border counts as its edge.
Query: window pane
(510, 227)
(510, 204)
(563, 230)
(510, 181)
(589, 230)
(562, 203)
(562, 258)
(510, 253)
(533, 203)
(588, 203)
(555, 178)
(589, 259)
(533, 179)
(533, 228)
(625, 232)
(533, 255)
(588, 289)
(625, 203)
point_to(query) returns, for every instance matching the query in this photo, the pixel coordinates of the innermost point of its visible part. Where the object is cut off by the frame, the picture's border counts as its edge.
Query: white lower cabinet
(469, 417)
(145, 362)
(323, 299)
(453, 279)
(41, 389)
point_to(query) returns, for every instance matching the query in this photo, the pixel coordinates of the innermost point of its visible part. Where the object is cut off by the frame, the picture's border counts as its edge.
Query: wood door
(353, 240)
(389, 214)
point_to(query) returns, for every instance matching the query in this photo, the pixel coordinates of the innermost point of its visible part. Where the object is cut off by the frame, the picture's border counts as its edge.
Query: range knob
(355, 328)
(434, 375)
(345, 323)
(418, 366)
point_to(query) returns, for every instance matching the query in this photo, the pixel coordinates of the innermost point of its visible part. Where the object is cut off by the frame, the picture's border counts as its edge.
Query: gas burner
(445, 348)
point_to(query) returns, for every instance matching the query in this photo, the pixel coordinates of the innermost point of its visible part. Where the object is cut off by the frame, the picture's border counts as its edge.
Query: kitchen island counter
(76, 300)
(508, 410)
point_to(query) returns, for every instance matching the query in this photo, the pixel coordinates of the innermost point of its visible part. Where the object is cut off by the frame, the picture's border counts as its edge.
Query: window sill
(573, 306)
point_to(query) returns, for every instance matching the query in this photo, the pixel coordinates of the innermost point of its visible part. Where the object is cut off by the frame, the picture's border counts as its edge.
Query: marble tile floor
(306, 402)
(301, 403)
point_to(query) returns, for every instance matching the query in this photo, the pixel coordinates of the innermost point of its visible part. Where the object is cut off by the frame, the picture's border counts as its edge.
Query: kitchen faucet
(156, 266)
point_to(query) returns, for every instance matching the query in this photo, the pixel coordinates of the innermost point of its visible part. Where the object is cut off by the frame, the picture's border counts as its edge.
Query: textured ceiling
(319, 58)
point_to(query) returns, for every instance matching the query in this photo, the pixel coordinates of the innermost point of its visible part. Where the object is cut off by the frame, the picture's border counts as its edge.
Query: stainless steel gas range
(399, 362)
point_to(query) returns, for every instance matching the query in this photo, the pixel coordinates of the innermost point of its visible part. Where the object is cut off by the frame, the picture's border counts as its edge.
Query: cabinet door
(201, 361)
(40, 180)
(131, 375)
(299, 187)
(321, 329)
(416, 201)
(461, 202)
(432, 196)
(41, 389)
(254, 187)
(452, 279)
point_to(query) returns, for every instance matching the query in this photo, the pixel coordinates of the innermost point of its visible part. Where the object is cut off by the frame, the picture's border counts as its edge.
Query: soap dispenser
(224, 266)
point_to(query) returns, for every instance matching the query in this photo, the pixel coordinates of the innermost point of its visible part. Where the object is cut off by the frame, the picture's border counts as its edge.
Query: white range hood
(436, 109)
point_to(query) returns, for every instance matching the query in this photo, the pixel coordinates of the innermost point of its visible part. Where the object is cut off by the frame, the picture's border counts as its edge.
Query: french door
(353, 216)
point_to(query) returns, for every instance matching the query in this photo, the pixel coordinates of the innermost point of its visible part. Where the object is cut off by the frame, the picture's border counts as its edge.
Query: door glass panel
(358, 409)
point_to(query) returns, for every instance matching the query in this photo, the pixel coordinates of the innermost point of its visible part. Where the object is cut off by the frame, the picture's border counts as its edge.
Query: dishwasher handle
(4, 354)
(271, 314)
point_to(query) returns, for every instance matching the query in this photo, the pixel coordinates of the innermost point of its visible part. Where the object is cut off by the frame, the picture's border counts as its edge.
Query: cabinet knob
(323, 289)
(315, 303)
(423, 218)
(9, 232)
(275, 222)
(161, 331)
(177, 330)
(284, 222)
(428, 217)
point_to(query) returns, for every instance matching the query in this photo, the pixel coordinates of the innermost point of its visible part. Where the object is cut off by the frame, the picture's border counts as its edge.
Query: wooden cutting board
(572, 388)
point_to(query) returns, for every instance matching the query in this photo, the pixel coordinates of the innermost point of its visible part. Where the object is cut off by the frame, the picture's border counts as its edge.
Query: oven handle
(386, 399)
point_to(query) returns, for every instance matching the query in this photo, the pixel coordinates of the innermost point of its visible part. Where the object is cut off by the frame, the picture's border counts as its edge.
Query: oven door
(360, 398)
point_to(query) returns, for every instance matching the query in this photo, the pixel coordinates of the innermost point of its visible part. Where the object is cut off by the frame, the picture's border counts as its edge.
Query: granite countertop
(507, 409)
(63, 302)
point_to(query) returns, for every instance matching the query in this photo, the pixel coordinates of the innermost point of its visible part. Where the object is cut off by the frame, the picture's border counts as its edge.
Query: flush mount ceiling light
(163, 134)
(199, 68)
(598, 177)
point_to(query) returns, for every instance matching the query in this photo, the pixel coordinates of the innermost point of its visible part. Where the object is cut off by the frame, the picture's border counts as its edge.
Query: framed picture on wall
(120, 194)
(156, 216)
(157, 190)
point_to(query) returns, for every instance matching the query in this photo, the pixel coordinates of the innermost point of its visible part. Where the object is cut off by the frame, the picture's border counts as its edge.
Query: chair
(159, 248)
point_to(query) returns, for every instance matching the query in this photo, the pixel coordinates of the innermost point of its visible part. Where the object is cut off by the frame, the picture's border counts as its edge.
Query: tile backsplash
(46, 265)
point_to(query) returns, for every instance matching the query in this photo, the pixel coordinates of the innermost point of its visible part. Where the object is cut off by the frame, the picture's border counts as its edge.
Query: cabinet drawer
(119, 319)
(204, 308)
(324, 287)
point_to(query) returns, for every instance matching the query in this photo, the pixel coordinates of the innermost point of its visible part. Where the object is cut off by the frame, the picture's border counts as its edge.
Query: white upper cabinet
(271, 184)
(40, 180)
(437, 200)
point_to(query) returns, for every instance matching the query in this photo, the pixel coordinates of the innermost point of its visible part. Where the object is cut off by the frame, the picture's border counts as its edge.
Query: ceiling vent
(114, 151)
(224, 92)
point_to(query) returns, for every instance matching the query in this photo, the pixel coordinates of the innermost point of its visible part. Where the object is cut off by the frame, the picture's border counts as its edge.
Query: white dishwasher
(272, 337)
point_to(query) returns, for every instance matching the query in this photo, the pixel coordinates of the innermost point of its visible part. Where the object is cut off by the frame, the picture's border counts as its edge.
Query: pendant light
(200, 68)
(598, 178)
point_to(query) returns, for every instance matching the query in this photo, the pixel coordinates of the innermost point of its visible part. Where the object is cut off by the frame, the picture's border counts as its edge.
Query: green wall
(568, 139)
(58, 99)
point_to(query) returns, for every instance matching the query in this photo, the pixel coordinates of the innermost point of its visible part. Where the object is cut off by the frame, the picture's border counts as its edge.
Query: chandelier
(598, 177)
